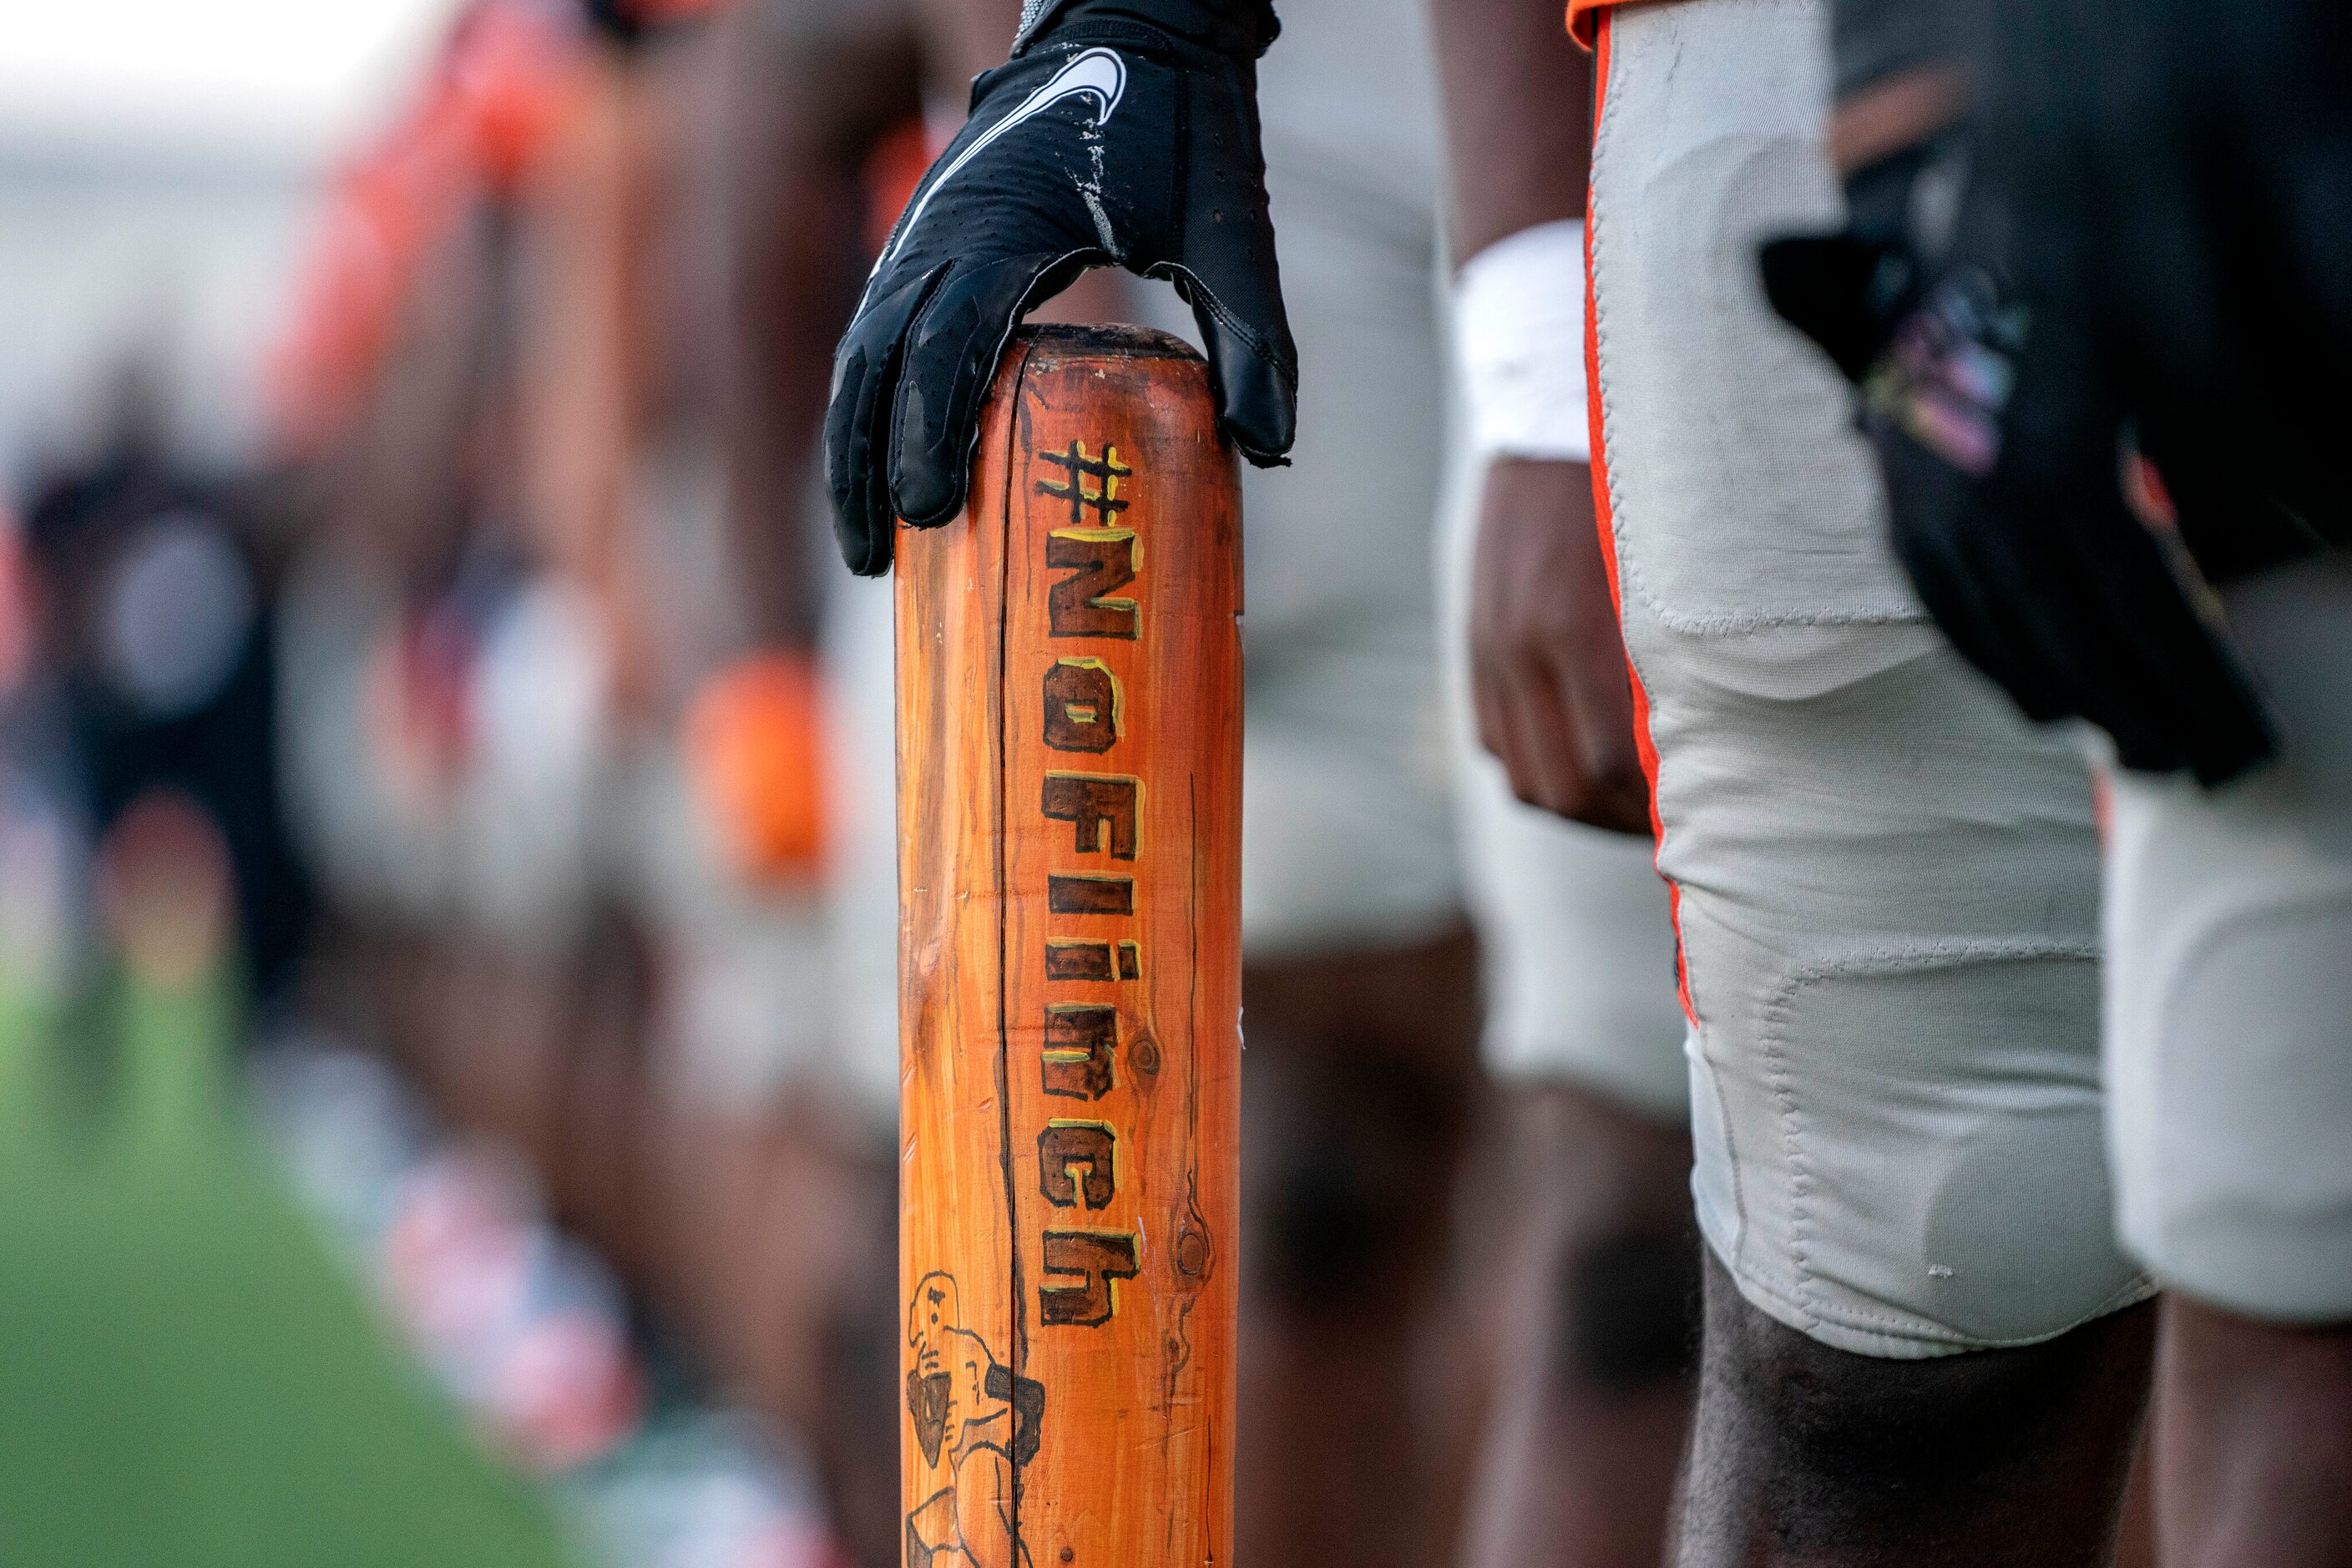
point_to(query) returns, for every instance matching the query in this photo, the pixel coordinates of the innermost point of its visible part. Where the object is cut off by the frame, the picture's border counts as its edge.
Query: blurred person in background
(267, 1420)
(451, 703)
(819, 126)
(591, 832)
(147, 586)
(44, 832)
(397, 390)
(771, 1169)
(541, 823)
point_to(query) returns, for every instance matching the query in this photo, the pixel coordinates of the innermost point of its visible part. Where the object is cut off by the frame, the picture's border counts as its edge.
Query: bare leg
(819, 1315)
(2254, 1442)
(2135, 1540)
(1358, 1081)
(1595, 1333)
(780, 1228)
(597, 1116)
(1801, 1454)
(709, 1166)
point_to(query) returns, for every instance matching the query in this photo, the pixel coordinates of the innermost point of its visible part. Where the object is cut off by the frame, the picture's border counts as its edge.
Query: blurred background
(397, 869)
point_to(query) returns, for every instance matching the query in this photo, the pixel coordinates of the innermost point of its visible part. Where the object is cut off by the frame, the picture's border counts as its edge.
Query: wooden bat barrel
(1069, 875)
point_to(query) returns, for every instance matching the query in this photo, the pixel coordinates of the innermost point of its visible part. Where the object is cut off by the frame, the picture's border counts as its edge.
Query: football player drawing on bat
(976, 1424)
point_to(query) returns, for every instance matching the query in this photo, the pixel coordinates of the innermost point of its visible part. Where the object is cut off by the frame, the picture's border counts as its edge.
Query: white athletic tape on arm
(1519, 311)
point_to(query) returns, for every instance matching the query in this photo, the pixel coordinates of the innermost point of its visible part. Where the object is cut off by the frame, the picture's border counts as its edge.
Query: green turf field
(186, 1377)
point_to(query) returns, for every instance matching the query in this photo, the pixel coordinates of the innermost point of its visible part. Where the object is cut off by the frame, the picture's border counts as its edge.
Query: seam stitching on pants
(1629, 569)
(1773, 1014)
(1735, 623)
(1776, 1016)
(1598, 230)
(2138, 1287)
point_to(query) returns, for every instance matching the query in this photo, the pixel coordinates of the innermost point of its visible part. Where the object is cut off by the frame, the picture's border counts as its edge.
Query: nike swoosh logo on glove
(1096, 73)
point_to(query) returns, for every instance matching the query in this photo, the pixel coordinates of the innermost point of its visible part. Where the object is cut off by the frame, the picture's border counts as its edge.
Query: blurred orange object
(508, 74)
(514, 73)
(755, 749)
(15, 610)
(893, 170)
(167, 890)
(2149, 498)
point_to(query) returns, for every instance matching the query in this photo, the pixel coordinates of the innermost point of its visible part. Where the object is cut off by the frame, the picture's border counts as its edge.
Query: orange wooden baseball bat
(1069, 876)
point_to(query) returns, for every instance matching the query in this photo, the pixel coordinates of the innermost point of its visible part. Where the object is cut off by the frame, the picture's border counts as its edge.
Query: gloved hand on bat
(1120, 132)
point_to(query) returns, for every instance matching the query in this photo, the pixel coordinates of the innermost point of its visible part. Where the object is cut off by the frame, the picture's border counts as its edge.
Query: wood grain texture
(1070, 776)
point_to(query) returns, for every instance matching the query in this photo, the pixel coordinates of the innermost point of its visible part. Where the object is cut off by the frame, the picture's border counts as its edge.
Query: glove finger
(865, 373)
(1252, 362)
(2211, 704)
(2067, 602)
(950, 360)
(1931, 515)
(2032, 627)
(2045, 607)
(1819, 284)
(2016, 612)
(1967, 618)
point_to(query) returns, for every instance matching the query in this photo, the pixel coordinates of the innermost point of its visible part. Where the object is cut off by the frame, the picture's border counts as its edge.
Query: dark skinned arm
(813, 87)
(1548, 668)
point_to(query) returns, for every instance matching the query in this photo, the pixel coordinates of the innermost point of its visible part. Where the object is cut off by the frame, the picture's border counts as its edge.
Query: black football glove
(2005, 482)
(1121, 131)
(2004, 456)
(1848, 291)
